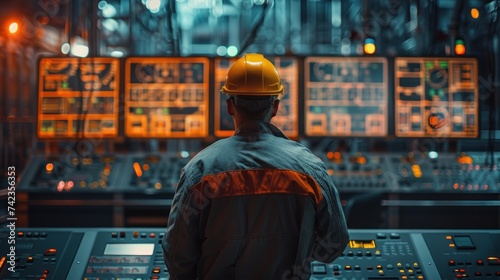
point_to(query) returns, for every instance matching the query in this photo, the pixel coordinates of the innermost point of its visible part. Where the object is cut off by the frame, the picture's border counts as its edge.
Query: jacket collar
(259, 127)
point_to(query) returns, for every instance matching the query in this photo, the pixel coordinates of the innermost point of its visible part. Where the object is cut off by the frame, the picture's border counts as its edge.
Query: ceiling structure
(231, 27)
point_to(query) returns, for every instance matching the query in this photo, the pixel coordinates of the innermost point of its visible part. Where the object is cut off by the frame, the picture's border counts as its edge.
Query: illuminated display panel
(166, 97)
(135, 249)
(345, 96)
(436, 97)
(287, 117)
(78, 97)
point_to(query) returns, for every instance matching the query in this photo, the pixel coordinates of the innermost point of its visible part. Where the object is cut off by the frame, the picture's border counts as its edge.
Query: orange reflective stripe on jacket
(256, 182)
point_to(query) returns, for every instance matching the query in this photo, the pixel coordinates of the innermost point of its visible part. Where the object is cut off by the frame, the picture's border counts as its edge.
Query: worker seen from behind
(256, 205)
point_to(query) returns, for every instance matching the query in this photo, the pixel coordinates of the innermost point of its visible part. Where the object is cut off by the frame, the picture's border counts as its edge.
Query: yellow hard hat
(252, 75)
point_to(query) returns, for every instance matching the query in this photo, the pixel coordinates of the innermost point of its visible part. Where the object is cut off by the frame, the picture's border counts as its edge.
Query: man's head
(253, 86)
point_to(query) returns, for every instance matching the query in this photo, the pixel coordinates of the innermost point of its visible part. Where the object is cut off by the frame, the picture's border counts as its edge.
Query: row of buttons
(462, 273)
(392, 235)
(135, 234)
(30, 234)
(400, 266)
(489, 260)
(360, 254)
(406, 271)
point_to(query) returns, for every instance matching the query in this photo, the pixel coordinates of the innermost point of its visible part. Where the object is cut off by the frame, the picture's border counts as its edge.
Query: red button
(451, 262)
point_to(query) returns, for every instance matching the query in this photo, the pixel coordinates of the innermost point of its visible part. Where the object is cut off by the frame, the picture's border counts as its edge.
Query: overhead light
(65, 48)
(80, 50)
(116, 53)
(153, 5)
(221, 50)
(232, 51)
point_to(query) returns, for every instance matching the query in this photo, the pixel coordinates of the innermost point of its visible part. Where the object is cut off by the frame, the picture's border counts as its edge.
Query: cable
(490, 159)
(170, 10)
(253, 32)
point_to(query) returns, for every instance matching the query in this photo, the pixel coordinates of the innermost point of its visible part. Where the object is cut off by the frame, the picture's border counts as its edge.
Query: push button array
(32, 234)
(461, 271)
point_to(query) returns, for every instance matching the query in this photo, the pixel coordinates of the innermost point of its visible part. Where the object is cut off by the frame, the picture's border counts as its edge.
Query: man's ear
(230, 107)
(274, 109)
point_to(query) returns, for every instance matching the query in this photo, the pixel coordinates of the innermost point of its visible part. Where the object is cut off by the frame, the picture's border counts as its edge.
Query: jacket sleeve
(331, 227)
(181, 243)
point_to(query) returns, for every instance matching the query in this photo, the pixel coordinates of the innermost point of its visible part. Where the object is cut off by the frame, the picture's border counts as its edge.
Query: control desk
(159, 172)
(135, 253)
(136, 189)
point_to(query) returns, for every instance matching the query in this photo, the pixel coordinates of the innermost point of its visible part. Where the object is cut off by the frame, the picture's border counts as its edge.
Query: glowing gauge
(437, 77)
(145, 72)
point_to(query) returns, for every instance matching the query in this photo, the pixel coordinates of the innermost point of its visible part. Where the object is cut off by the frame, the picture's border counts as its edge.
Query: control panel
(358, 172)
(136, 190)
(136, 253)
(72, 173)
(414, 254)
(103, 254)
(37, 254)
(154, 173)
(462, 173)
(412, 172)
(124, 254)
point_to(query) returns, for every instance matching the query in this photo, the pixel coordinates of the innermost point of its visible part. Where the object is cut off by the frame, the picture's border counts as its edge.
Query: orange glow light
(459, 47)
(474, 13)
(329, 155)
(49, 167)
(60, 186)
(13, 27)
(137, 169)
(361, 160)
(336, 155)
(69, 185)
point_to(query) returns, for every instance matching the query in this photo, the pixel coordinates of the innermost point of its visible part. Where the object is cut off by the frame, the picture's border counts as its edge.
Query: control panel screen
(436, 97)
(78, 97)
(166, 97)
(287, 117)
(135, 249)
(345, 96)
